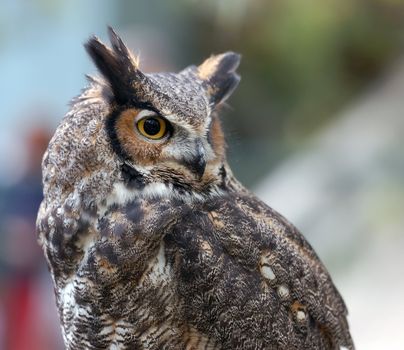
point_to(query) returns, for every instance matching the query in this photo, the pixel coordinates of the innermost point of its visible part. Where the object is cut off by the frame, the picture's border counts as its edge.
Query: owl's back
(251, 280)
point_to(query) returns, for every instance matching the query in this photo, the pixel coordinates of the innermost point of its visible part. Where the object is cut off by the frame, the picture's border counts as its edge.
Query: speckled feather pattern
(152, 257)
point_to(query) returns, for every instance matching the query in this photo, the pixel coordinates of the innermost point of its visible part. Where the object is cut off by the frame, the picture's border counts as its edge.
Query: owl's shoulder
(241, 260)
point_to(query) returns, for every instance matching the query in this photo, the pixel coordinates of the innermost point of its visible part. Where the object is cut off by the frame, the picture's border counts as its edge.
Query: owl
(151, 241)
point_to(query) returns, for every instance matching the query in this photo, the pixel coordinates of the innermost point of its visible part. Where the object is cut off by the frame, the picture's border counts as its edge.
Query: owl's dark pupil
(151, 126)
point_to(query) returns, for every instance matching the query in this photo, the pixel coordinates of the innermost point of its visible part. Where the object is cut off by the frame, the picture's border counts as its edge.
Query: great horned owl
(151, 241)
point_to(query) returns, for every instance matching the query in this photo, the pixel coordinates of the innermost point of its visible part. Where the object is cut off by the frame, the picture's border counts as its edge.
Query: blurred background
(316, 129)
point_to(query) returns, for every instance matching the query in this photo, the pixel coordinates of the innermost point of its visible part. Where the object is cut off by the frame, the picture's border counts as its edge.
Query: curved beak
(197, 162)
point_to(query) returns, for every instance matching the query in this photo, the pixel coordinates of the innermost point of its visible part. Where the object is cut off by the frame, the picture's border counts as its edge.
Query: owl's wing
(250, 279)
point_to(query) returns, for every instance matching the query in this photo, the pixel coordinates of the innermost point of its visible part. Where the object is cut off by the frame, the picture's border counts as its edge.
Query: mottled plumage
(151, 241)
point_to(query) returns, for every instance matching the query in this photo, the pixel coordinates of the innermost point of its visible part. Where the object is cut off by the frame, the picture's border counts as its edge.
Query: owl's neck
(134, 185)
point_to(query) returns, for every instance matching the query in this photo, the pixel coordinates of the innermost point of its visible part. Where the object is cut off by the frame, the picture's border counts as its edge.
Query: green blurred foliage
(302, 61)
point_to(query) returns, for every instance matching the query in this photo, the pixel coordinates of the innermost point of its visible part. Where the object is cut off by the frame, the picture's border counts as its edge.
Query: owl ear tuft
(219, 76)
(117, 65)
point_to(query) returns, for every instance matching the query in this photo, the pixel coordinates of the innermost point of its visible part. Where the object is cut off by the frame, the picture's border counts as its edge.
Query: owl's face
(164, 125)
(166, 142)
(143, 130)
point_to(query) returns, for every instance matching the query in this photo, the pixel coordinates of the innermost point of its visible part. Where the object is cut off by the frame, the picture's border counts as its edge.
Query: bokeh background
(316, 128)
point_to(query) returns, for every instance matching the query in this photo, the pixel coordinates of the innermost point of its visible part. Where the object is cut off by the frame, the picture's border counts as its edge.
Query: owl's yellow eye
(153, 128)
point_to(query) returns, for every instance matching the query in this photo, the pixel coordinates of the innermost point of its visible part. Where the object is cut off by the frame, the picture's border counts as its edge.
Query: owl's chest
(106, 305)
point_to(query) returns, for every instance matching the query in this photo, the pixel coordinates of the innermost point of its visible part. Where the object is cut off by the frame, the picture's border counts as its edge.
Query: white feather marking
(107, 330)
(121, 195)
(160, 269)
(67, 294)
(86, 242)
(157, 189)
(68, 306)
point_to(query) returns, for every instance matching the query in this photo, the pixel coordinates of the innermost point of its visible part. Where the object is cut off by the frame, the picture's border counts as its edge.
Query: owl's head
(147, 130)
